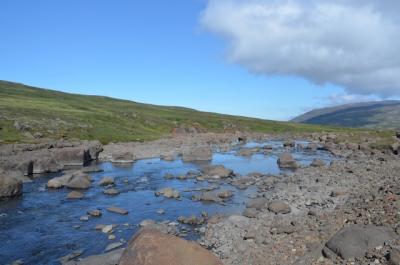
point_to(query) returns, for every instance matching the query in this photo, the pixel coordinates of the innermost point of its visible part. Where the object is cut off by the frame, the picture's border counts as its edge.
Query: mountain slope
(376, 114)
(27, 112)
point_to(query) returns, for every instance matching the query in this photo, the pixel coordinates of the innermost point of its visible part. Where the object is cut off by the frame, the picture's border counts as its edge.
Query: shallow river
(43, 225)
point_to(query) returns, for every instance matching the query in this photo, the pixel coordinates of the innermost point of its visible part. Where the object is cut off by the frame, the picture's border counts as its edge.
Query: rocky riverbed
(250, 199)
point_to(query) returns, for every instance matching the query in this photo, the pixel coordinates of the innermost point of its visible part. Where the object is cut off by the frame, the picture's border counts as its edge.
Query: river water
(42, 225)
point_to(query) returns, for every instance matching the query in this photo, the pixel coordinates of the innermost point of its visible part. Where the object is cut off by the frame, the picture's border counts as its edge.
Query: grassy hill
(376, 114)
(27, 113)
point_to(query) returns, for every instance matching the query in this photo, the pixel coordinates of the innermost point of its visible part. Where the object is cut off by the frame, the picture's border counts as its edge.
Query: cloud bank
(350, 43)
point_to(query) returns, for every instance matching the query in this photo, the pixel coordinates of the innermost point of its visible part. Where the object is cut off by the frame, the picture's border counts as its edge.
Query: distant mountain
(375, 114)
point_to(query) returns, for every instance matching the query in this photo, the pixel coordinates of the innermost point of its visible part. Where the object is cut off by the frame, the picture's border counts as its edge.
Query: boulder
(286, 160)
(279, 207)
(168, 193)
(46, 164)
(289, 144)
(248, 151)
(202, 153)
(250, 212)
(258, 203)
(225, 194)
(59, 182)
(10, 187)
(219, 171)
(312, 146)
(122, 157)
(207, 197)
(354, 241)
(105, 181)
(151, 247)
(317, 163)
(167, 157)
(79, 180)
(70, 156)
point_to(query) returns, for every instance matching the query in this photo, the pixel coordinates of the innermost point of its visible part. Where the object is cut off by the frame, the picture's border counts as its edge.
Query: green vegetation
(28, 111)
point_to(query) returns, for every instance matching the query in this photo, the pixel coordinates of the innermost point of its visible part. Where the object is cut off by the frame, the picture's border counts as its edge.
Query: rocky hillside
(376, 114)
(28, 114)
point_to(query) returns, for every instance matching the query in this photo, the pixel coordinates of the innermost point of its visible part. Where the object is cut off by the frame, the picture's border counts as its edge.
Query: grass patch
(55, 114)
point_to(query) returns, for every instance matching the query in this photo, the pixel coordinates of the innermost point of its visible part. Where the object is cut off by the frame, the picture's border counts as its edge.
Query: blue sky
(147, 51)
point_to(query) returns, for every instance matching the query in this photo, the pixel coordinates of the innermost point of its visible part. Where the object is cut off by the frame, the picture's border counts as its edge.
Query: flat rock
(94, 213)
(354, 241)
(110, 258)
(317, 163)
(258, 203)
(118, 210)
(207, 197)
(279, 207)
(113, 246)
(111, 191)
(75, 195)
(151, 247)
(250, 212)
(168, 193)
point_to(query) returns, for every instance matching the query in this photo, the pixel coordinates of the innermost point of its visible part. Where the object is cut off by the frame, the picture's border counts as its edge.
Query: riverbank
(285, 217)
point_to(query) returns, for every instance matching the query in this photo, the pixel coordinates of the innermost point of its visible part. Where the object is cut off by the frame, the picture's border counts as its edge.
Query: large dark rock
(354, 241)
(10, 187)
(151, 247)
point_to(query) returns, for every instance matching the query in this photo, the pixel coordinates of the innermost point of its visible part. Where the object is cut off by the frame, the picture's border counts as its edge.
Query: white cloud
(351, 43)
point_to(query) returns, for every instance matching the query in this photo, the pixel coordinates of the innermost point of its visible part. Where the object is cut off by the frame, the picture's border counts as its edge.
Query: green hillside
(28, 113)
(376, 114)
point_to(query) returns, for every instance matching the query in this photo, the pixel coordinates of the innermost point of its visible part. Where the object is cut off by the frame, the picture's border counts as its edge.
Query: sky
(261, 58)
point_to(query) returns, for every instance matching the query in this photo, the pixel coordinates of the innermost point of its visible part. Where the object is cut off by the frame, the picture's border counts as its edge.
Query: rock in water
(203, 153)
(79, 180)
(117, 210)
(317, 163)
(286, 160)
(109, 258)
(10, 187)
(151, 247)
(168, 193)
(111, 191)
(105, 181)
(75, 195)
(354, 241)
(59, 182)
(219, 171)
